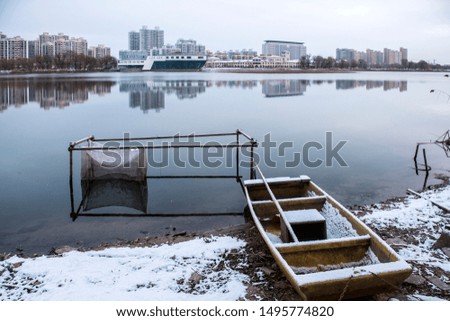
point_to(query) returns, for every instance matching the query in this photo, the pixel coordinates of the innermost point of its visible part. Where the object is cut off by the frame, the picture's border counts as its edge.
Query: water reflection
(371, 84)
(244, 84)
(150, 95)
(49, 93)
(280, 88)
(100, 193)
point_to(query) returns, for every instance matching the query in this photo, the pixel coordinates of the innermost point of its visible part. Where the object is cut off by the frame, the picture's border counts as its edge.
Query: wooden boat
(324, 250)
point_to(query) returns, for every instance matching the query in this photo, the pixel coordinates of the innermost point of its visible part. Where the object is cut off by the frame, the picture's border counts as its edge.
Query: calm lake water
(380, 117)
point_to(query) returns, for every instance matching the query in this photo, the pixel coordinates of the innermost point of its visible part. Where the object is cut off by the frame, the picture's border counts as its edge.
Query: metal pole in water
(72, 205)
(251, 161)
(425, 160)
(238, 150)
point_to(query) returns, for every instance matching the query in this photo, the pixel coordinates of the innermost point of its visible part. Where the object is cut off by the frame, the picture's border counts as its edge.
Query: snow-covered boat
(324, 250)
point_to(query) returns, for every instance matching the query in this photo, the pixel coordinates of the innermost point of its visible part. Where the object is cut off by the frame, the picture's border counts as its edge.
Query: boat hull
(173, 63)
(177, 65)
(165, 63)
(359, 264)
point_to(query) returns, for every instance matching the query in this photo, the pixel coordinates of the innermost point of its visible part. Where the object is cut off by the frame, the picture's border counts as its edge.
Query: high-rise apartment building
(12, 48)
(51, 45)
(3, 46)
(150, 38)
(374, 57)
(133, 40)
(100, 51)
(189, 47)
(297, 50)
(33, 47)
(78, 46)
(403, 54)
(345, 54)
(46, 45)
(47, 49)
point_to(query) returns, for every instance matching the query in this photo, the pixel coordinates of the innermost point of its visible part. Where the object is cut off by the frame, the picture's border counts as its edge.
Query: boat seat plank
(297, 200)
(363, 240)
(307, 224)
(277, 180)
(308, 216)
(385, 271)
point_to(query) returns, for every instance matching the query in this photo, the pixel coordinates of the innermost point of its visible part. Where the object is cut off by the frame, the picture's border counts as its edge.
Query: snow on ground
(191, 270)
(412, 227)
(418, 219)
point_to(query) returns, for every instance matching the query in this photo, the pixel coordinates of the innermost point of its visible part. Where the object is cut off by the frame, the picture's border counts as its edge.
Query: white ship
(178, 62)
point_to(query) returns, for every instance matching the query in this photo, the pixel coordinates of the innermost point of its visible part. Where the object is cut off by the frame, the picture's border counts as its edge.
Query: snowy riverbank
(226, 267)
(420, 232)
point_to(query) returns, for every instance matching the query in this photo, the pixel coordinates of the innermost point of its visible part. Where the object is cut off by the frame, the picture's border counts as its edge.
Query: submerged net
(115, 177)
(114, 192)
(128, 164)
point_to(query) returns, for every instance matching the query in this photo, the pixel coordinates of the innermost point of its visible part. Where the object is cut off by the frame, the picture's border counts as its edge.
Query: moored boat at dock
(172, 62)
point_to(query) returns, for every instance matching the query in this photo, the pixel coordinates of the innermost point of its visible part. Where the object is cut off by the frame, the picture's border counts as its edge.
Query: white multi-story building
(33, 48)
(344, 54)
(189, 47)
(373, 57)
(133, 55)
(3, 46)
(403, 54)
(12, 48)
(150, 38)
(297, 50)
(47, 49)
(101, 51)
(79, 46)
(133, 40)
(51, 45)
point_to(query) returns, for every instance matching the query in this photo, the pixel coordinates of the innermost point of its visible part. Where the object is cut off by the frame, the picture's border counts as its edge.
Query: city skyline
(323, 26)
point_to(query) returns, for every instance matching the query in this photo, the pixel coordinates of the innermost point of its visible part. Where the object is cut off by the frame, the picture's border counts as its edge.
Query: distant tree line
(65, 62)
(319, 62)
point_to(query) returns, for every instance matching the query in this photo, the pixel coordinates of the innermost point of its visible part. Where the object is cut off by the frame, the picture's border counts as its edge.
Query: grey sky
(422, 26)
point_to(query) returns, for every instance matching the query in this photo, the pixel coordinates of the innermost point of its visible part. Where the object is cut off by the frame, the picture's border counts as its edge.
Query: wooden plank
(277, 180)
(295, 200)
(280, 210)
(324, 244)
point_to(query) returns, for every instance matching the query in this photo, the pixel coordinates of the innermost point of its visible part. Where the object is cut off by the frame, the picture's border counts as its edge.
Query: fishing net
(128, 164)
(114, 192)
(115, 177)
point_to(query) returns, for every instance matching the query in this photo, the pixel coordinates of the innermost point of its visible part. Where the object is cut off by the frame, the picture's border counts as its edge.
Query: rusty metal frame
(77, 146)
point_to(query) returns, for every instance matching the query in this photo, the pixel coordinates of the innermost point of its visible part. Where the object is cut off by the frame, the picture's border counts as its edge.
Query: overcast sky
(421, 26)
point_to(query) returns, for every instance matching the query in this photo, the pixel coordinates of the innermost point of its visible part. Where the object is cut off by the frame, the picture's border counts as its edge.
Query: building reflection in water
(296, 87)
(150, 95)
(279, 88)
(244, 84)
(371, 84)
(49, 93)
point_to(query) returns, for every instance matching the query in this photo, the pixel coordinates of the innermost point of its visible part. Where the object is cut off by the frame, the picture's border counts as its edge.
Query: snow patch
(152, 273)
(337, 225)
